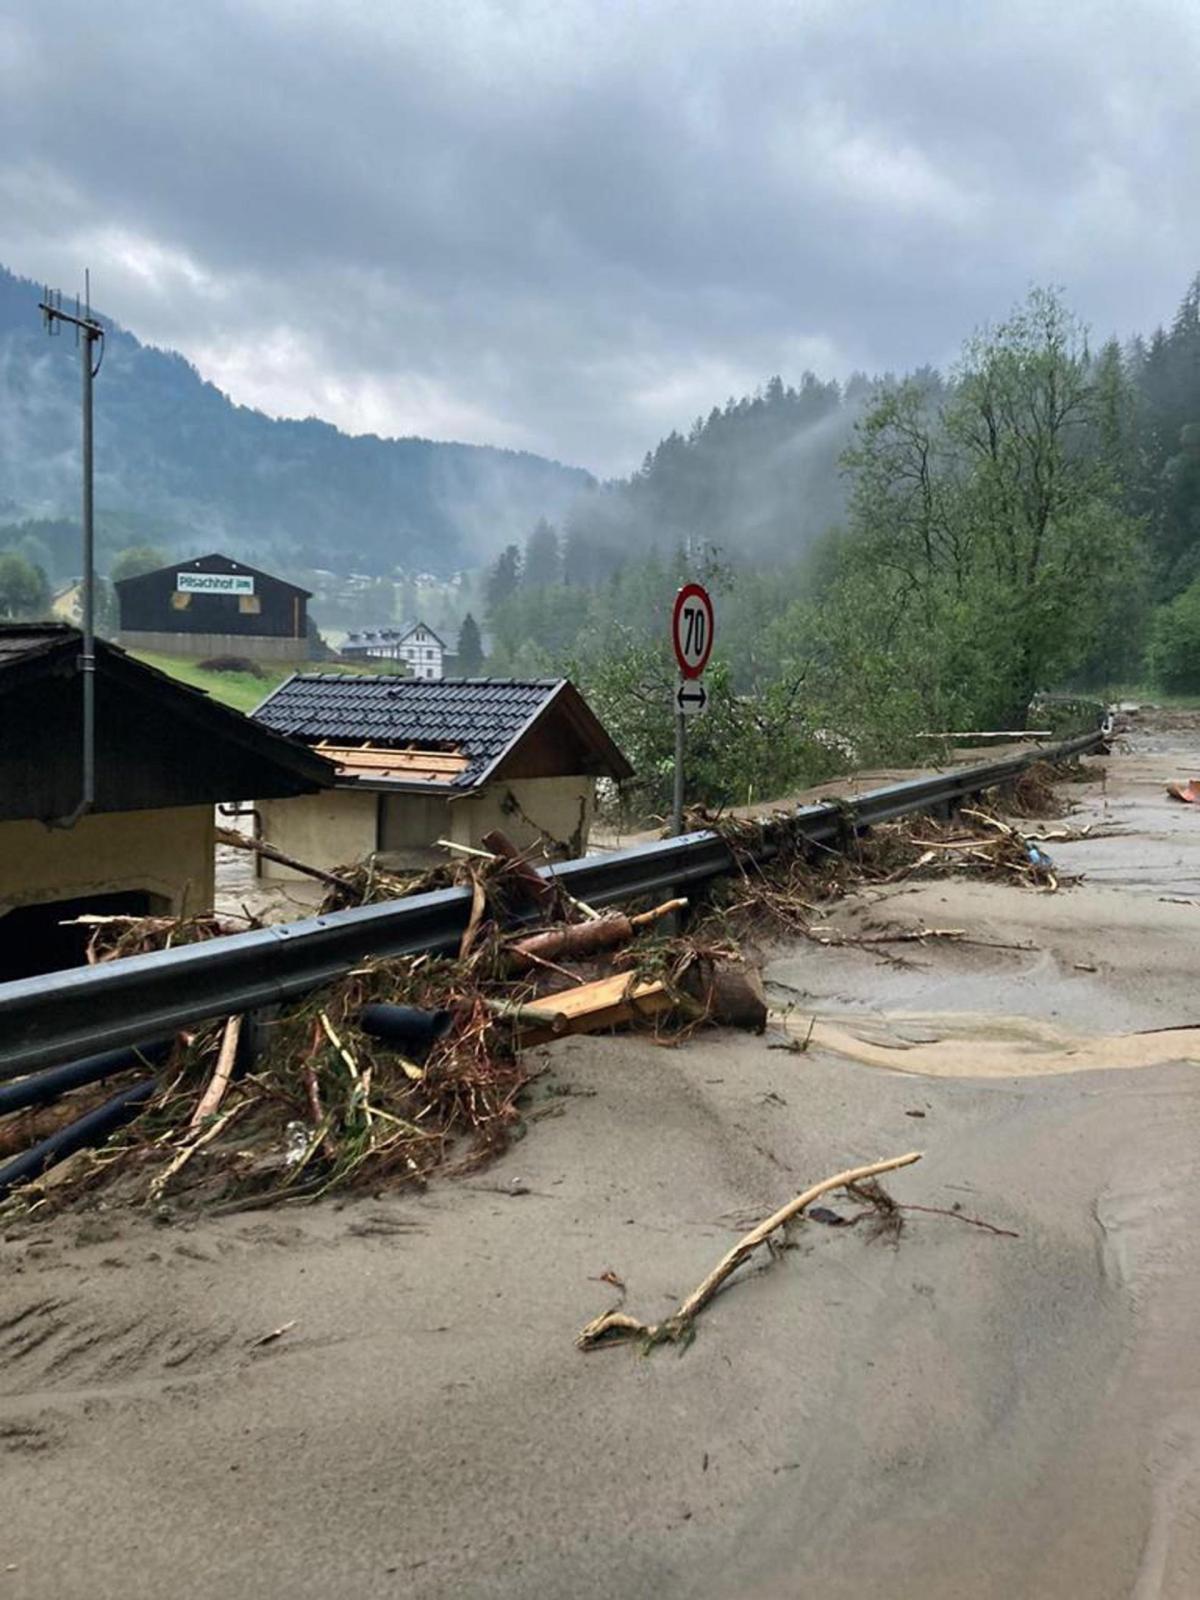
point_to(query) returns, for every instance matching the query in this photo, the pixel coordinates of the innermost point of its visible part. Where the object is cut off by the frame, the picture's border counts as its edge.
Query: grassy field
(244, 690)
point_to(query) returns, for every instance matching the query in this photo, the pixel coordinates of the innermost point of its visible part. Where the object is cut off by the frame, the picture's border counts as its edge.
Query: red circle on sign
(692, 629)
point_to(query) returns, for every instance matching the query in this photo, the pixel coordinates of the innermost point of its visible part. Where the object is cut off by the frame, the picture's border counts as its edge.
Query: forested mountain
(758, 478)
(900, 555)
(185, 465)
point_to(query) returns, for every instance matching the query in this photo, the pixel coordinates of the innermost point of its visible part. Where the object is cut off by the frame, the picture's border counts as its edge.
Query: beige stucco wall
(169, 852)
(330, 829)
(412, 822)
(250, 646)
(340, 826)
(551, 806)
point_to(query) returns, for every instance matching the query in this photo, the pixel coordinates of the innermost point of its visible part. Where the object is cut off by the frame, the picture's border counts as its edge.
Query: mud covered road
(955, 1414)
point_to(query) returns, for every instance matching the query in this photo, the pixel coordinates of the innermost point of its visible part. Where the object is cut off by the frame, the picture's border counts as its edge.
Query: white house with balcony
(413, 642)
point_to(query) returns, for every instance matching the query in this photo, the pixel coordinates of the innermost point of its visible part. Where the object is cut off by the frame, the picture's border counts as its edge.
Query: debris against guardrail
(394, 1069)
(400, 1065)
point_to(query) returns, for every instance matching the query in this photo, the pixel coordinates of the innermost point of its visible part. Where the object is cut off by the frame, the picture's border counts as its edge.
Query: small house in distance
(212, 606)
(413, 642)
(420, 760)
(165, 755)
(67, 603)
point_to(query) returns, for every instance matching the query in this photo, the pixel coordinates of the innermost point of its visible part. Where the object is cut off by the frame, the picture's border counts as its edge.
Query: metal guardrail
(63, 1015)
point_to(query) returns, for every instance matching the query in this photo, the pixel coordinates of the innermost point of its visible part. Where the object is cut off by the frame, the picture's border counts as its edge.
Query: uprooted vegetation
(397, 1068)
(791, 892)
(318, 1096)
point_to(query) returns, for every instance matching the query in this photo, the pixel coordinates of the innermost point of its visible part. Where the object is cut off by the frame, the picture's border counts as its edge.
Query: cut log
(542, 1015)
(729, 993)
(532, 885)
(576, 941)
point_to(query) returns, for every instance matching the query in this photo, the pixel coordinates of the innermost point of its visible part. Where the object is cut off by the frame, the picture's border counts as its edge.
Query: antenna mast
(89, 336)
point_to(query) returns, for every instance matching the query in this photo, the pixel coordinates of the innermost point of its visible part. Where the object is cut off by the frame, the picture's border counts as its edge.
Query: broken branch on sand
(615, 1326)
(835, 936)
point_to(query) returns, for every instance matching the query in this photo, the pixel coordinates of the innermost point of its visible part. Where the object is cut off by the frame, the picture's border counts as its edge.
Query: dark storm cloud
(574, 226)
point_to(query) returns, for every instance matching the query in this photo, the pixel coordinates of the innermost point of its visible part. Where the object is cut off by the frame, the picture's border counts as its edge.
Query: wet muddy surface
(955, 1412)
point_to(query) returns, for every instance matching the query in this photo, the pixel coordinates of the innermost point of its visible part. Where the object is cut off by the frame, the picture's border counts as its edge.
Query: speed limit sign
(692, 629)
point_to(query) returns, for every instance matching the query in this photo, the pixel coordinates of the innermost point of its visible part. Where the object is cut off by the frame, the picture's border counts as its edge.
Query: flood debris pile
(397, 1068)
(975, 842)
(113, 937)
(791, 886)
(406, 1065)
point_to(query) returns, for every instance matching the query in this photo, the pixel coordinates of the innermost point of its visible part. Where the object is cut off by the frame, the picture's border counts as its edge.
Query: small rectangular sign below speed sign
(690, 697)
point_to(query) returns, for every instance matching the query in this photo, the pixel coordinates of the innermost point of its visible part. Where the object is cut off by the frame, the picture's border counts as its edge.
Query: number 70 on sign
(692, 629)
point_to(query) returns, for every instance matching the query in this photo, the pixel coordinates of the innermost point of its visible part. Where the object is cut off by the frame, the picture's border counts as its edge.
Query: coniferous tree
(504, 577)
(470, 648)
(543, 558)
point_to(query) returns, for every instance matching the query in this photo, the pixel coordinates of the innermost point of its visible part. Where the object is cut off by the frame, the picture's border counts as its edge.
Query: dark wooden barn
(212, 606)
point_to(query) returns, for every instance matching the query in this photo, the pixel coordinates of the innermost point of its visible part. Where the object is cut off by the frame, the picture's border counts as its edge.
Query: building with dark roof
(420, 760)
(211, 606)
(414, 643)
(165, 754)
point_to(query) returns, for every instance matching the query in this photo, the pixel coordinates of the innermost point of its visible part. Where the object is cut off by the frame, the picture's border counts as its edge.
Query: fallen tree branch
(961, 1216)
(615, 1326)
(837, 938)
(259, 847)
(183, 1156)
(219, 1082)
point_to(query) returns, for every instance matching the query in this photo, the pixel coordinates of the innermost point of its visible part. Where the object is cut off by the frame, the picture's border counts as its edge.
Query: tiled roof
(21, 640)
(32, 652)
(386, 634)
(479, 716)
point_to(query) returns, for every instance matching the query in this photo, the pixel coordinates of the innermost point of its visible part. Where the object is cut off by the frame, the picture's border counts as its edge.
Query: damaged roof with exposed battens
(443, 734)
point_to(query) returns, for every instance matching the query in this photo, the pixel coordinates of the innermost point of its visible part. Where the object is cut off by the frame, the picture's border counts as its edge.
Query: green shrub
(1173, 656)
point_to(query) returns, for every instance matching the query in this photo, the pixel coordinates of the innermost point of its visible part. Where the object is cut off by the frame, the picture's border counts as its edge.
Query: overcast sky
(571, 225)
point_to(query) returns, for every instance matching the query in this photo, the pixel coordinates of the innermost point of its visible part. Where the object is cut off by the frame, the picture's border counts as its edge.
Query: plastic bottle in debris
(295, 1143)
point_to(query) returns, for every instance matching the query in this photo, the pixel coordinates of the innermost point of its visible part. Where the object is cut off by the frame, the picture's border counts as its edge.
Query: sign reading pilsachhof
(214, 583)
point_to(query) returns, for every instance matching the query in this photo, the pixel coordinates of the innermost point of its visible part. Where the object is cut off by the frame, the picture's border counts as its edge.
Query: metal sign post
(692, 627)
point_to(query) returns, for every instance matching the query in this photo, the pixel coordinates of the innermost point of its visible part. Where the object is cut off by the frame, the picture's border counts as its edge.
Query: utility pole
(89, 336)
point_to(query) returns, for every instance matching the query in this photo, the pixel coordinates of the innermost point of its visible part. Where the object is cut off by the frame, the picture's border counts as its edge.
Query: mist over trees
(890, 556)
(206, 473)
(956, 543)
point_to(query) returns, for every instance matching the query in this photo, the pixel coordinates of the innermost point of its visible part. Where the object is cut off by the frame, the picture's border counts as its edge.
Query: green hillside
(244, 690)
(179, 462)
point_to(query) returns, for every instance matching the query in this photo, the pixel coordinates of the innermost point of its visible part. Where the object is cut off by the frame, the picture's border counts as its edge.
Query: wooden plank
(372, 758)
(607, 1003)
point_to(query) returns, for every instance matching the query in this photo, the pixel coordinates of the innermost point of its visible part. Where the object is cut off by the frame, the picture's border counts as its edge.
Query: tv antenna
(89, 337)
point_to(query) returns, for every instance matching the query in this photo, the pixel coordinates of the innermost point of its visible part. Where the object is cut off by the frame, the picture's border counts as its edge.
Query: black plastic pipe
(406, 1028)
(41, 1087)
(90, 1129)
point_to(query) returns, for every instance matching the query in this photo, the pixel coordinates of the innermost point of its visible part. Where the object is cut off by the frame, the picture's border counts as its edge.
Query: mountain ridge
(177, 453)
